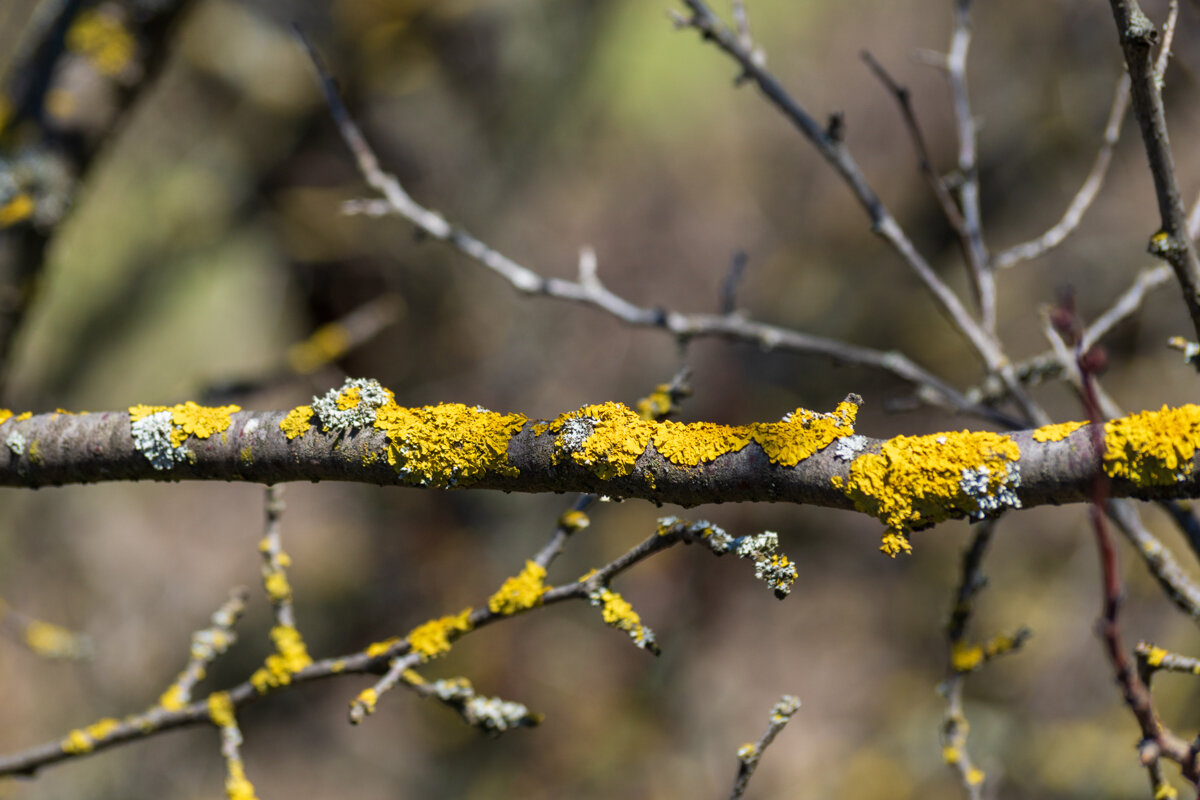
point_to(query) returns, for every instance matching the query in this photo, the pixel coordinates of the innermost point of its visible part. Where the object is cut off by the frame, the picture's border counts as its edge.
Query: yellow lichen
(689, 444)
(434, 637)
(379, 648)
(916, 481)
(290, 656)
(412, 677)
(1153, 448)
(220, 710)
(618, 613)
(657, 404)
(1165, 791)
(192, 419)
(76, 743)
(448, 445)
(237, 786)
(349, 398)
(609, 438)
(297, 421)
(24, 415)
(18, 209)
(974, 776)
(277, 586)
(103, 40)
(951, 754)
(1155, 657)
(50, 640)
(521, 592)
(966, 657)
(327, 343)
(366, 700)
(804, 433)
(174, 698)
(4, 415)
(1055, 433)
(573, 520)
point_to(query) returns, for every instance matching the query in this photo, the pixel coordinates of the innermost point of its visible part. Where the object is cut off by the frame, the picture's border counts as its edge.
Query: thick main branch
(906, 482)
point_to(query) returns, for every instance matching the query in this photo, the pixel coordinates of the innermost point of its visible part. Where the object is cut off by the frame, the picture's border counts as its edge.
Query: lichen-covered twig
(751, 753)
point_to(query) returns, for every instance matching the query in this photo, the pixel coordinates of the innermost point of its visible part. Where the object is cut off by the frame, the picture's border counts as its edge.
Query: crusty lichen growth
(220, 709)
(916, 481)
(1153, 448)
(1057, 432)
(297, 422)
(521, 592)
(609, 438)
(160, 431)
(328, 342)
(618, 613)
(449, 444)
(290, 656)
(433, 639)
(83, 740)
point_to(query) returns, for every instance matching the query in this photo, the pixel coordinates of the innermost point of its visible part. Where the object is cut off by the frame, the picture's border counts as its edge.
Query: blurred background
(206, 239)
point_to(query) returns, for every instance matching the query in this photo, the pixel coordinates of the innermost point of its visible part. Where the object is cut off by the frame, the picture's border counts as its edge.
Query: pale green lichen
(916, 481)
(1153, 448)
(521, 592)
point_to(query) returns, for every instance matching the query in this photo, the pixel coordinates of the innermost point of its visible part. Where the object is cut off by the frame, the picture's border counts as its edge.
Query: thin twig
(1087, 193)
(980, 272)
(749, 755)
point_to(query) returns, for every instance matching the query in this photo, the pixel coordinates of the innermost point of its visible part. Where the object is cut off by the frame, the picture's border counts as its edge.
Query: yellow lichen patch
(192, 419)
(804, 433)
(76, 743)
(1155, 657)
(1055, 433)
(951, 754)
(412, 677)
(966, 657)
(1153, 448)
(916, 481)
(290, 656)
(4, 415)
(18, 209)
(278, 588)
(618, 613)
(327, 343)
(102, 728)
(974, 776)
(24, 415)
(521, 592)
(220, 710)
(237, 786)
(297, 421)
(103, 40)
(52, 641)
(366, 700)
(657, 404)
(449, 444)
(689, 444)
(1165, 791)
(607, 438)
(349, 398)
(573, 520)
(379, 648)
(434, 637)
(174, 698)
